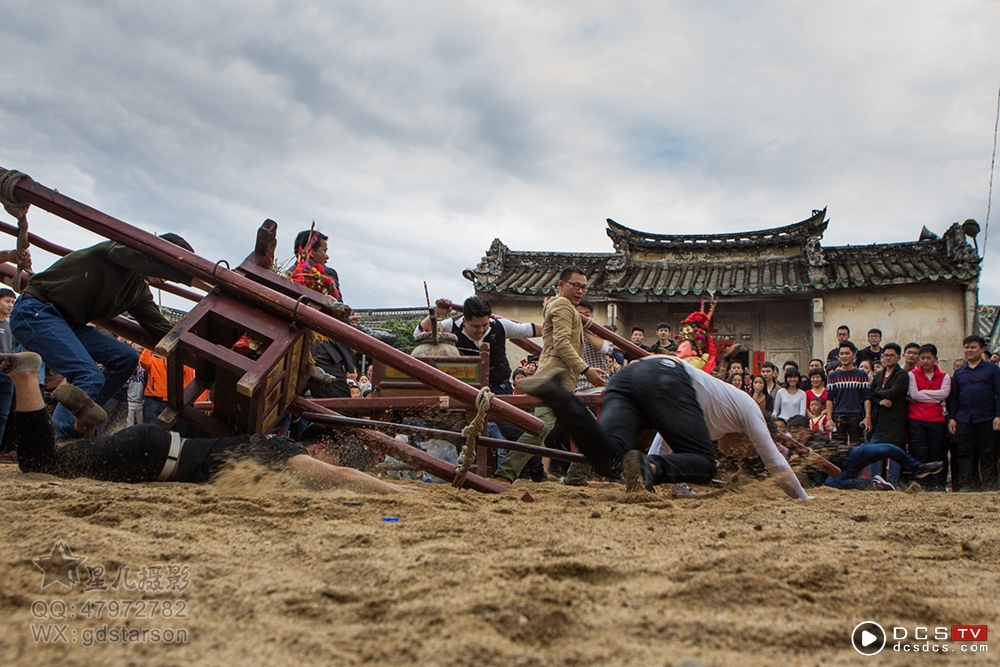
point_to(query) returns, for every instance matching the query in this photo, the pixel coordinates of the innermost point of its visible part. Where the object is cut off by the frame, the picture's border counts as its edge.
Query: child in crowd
(817, 416)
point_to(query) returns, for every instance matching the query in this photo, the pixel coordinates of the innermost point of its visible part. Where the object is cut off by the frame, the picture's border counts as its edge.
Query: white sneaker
(881, 484)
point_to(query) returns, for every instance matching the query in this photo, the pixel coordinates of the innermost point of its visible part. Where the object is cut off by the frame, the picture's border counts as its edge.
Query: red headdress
(695, 328)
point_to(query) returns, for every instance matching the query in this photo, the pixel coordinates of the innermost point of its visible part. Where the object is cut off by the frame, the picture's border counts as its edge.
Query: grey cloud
(417, 134)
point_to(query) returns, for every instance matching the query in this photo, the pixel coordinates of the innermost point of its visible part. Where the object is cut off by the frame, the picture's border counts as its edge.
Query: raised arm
(442, 309)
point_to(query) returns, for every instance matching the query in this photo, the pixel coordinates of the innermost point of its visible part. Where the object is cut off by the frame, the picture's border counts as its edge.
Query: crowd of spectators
(893, 394)
(883, 393)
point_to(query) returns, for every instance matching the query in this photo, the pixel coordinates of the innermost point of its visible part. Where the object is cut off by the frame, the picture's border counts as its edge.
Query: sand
(283, 575)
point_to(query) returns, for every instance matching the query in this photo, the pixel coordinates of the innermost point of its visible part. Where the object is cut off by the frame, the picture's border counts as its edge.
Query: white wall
(904, 313)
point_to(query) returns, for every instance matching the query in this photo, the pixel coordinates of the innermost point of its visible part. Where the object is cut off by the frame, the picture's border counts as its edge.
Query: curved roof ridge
(811, 227)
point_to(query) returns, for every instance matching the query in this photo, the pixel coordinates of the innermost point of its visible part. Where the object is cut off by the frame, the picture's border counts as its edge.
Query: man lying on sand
(146, 452)
(687, 407)
(854, 460)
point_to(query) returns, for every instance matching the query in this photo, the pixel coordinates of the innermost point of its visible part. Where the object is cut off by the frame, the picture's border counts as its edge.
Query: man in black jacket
(890, 411)
(95, 284)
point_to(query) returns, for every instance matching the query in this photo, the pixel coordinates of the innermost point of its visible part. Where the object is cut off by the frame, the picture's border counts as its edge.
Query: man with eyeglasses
(562, 350)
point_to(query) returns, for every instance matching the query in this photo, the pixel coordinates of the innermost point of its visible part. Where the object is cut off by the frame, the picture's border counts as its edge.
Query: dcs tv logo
(869, 638)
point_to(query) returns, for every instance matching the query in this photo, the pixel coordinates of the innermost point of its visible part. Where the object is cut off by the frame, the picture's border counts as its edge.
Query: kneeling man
(686, 406)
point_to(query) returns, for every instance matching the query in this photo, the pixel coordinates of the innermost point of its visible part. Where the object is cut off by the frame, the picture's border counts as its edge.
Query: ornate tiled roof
(989, 325)
(772, 261)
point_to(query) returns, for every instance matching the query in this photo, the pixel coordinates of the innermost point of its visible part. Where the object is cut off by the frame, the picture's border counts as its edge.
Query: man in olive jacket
(562, 349)
(890, 410)
(95, 284)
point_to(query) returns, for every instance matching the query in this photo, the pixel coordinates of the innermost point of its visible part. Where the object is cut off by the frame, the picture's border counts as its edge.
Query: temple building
(781, 294)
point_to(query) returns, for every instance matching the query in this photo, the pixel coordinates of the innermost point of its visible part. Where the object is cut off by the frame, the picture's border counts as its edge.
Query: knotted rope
(468, 455)
(19, 210)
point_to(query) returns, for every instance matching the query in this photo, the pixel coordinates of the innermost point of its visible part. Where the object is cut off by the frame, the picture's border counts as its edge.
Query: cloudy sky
(414, 134)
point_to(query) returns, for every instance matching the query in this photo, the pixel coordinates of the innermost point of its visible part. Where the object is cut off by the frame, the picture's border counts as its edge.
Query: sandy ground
(282, 575)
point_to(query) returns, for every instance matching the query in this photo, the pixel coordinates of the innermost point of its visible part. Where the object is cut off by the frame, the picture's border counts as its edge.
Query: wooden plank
(169, 343)
(244, 316)
(278, 283)
(168, 418)
(221, 356)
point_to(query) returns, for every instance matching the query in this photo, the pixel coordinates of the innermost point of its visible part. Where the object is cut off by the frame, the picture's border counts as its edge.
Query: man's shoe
(543, 386)
(538, 476)
(637, 473)
(929, 468)
(881, 484)
(682, 490)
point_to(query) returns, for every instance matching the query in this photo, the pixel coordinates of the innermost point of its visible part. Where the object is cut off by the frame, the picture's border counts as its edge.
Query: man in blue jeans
(858, 458)
(95, 284)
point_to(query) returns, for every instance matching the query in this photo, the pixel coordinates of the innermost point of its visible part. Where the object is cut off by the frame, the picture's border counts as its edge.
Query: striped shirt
(848, 390)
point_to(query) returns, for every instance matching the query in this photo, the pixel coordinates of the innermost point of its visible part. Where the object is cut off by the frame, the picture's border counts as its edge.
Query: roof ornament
(496, 257)
(621, 259)
(814, 253)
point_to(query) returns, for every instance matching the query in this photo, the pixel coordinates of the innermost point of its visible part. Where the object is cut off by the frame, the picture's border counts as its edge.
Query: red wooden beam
(494, 443)
(55, 249)
(528, 345)
(417, 458)
(433, 402)
(266, 299)
(621, 344)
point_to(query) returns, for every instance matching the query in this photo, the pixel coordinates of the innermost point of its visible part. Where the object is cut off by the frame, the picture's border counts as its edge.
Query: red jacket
(927, 412)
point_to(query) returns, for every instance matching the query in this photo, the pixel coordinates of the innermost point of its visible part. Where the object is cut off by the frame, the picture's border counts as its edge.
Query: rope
(468, 455)
(19, 210)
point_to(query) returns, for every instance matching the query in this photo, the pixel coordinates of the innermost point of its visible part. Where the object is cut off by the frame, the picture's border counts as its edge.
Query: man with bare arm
(146, 452)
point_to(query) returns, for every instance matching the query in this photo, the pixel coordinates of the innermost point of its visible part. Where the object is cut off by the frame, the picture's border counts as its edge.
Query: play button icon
(868, 638)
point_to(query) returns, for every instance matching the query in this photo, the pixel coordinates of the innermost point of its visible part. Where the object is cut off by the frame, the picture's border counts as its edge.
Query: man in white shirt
(476, 327)
(687, 407)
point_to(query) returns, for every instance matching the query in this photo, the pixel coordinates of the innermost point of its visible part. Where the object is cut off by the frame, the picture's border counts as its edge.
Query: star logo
(60, 566)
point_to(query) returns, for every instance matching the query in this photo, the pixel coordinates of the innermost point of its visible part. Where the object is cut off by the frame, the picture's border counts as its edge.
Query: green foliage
(403, 330)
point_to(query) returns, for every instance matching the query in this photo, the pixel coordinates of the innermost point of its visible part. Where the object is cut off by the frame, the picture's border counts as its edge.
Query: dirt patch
(279, 574)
